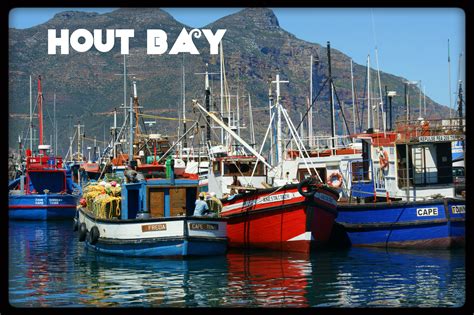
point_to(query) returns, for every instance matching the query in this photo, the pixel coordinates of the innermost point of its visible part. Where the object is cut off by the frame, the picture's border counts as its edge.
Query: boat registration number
(203, 226)
(426, 212)
(458, 209)
(154, 227)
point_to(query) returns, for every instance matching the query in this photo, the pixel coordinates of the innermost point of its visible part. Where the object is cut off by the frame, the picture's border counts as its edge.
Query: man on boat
(236, 182)
(201, 208)
(215, 205)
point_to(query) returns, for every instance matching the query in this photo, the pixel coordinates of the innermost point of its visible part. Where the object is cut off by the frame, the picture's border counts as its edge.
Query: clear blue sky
(412, 43)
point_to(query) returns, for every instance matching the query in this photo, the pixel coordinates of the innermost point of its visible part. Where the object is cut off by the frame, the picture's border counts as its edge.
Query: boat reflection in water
(372, 277)
(269, 279)
(40, 261)
(48, 268)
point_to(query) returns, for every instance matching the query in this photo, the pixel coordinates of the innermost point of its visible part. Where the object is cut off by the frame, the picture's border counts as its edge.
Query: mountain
(88, 86)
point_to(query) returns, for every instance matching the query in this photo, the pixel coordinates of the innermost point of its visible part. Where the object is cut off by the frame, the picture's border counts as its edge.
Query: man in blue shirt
(201, 208)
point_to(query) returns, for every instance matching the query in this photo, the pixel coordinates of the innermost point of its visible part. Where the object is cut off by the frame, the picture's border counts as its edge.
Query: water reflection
(48, 267)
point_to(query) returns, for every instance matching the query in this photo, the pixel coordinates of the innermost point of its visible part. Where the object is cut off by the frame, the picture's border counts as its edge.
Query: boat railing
(452, 129)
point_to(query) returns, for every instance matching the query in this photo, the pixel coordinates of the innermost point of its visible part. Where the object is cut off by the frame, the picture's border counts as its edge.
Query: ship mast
(40, 112)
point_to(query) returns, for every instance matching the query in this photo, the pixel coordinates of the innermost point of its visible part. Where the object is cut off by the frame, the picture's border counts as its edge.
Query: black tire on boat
(82, 232)
(310, 189)
(94, 237)
(75, 225)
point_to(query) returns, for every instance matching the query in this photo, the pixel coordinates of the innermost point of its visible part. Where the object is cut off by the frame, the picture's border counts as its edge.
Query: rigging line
(307, 111)
(342, 110)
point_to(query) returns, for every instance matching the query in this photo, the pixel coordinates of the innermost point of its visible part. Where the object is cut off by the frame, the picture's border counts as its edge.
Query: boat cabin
(159, 198)
(413, 162)
(223, 169)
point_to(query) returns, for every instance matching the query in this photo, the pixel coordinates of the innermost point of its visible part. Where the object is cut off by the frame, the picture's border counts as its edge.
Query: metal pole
(55, 127)
(207, 103)
(406, 103)
(369, 107)
(353, 99)
(222, 87)
(331, 100)
(31, 119)
(185, 144)
(310, 116)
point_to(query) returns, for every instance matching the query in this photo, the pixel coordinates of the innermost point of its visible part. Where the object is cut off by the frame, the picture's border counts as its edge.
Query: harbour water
(48, 267)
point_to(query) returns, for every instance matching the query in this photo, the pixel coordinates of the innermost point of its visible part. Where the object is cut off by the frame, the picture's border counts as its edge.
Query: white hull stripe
(306, 236)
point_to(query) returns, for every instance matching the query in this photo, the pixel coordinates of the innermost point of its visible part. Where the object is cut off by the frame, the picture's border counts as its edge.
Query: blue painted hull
(430, 224)
(162, 248)
(42, 206)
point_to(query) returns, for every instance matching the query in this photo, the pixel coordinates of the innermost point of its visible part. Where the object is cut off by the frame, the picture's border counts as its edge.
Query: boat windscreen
(52, 181)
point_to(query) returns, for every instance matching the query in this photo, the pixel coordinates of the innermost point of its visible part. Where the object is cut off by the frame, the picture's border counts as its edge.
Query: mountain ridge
(255, 47)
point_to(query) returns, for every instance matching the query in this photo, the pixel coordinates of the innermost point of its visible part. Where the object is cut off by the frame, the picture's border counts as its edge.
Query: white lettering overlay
(82, 40)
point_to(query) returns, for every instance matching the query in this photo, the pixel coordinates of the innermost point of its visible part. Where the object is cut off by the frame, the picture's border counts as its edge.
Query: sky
(408, 42)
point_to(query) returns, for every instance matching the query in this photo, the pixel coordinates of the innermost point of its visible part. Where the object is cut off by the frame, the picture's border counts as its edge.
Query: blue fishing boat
(402, 192)
(152, 213)
(153, 218)
(45, 190)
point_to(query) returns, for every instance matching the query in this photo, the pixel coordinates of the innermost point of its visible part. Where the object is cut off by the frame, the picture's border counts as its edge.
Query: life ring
(94, 235)
(337, 183)
(82, 232)
(310, 190)
(383, 159)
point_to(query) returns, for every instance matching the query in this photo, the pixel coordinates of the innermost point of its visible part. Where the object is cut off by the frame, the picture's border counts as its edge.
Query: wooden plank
(177, 201)
(156, 199)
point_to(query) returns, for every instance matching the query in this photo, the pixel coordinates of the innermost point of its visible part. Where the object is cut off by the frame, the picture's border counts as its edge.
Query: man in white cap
(201, 208)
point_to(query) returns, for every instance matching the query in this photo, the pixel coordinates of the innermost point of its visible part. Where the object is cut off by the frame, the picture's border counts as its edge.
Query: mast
(279, 138)
(449, 81)
(310, 114)
(124, 90)
(221, 66)
(31, 118)
(185, 144)
(207, 103)
(115, 134)
(270, 111)
(460, 100)
(380, 94)
(252, 130)
(369, 107)
(40, 111)
(238, 111)
(55, 127)
(331, 100)
(130, 131)
(353, 98)
(419, 103)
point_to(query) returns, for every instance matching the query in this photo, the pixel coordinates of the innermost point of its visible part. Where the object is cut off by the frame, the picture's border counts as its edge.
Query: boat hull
(283, 220)
(430, 224)
(158, 237)
(42, 206)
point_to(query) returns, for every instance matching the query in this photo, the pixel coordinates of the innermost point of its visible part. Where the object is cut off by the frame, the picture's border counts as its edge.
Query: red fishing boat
(293, 217)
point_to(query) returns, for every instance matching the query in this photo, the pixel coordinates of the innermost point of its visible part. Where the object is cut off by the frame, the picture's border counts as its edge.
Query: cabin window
(216, 169)
(357, 171)
(428, 164)
(243, 169)
(303, 173)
